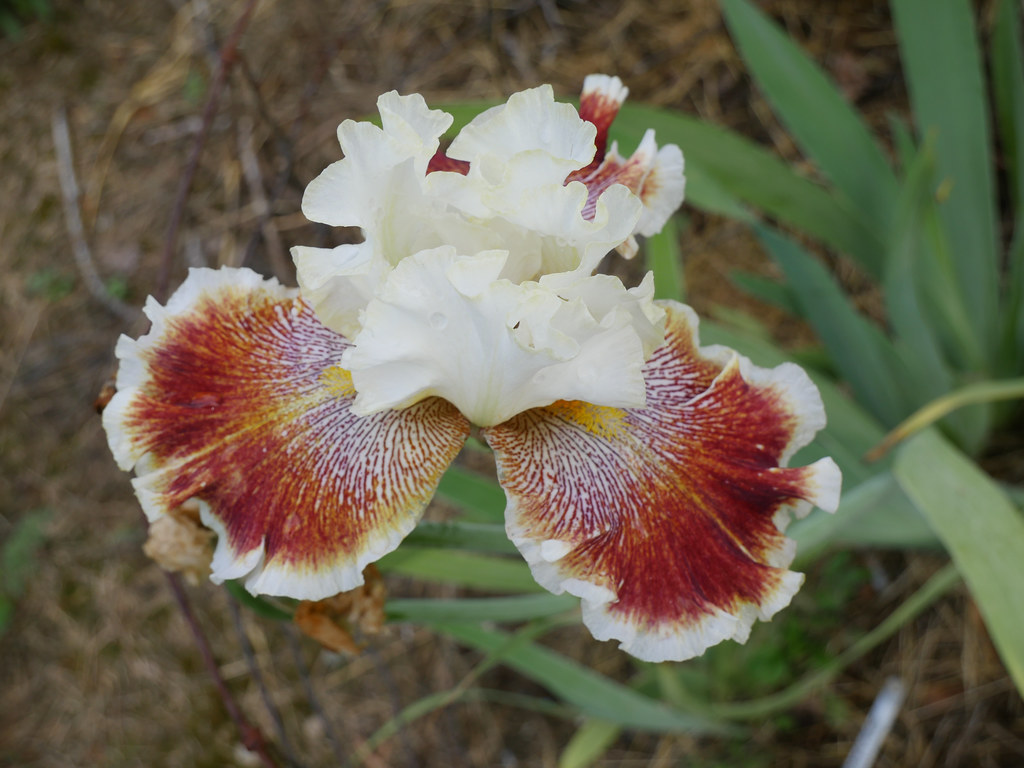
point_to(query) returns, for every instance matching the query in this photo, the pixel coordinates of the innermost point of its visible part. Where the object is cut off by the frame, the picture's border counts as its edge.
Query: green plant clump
(15, 13)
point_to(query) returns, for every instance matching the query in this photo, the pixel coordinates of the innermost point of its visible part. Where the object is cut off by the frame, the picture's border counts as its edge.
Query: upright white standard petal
(381, 187)
(448, 325)
(506, 230)
(531, 121)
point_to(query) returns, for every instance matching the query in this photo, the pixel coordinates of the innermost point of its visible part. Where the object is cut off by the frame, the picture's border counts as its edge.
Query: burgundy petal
(667, 520)
(236, 398)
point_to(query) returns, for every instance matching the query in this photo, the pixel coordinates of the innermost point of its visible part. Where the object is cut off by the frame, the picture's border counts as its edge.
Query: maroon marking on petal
(599, 108)
(670, 507)
(441, 162)
(630, 173)
(246, 408)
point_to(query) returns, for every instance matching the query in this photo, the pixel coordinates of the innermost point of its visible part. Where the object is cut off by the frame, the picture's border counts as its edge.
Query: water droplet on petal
(438, 321)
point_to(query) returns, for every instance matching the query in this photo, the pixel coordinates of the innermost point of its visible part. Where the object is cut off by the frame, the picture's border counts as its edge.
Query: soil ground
(97, 667)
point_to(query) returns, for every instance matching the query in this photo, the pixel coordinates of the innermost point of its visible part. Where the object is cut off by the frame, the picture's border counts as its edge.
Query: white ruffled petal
(447, 325)
(412, 125)
(531, 120)
(662, 190)
(339, 282)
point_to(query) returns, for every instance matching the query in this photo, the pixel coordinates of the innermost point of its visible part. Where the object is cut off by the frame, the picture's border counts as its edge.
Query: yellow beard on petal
(338, 381)
(599, 420)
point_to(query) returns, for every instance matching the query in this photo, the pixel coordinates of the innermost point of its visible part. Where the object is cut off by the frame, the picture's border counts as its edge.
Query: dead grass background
(98, 668)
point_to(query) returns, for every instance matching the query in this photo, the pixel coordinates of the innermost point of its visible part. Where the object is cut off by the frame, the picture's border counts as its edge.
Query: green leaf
(741, 321)
(19, 552)
(497, 574)
(944, 299)
(591, 740)
(873, 513)
(902, 139)
(915, 337)
(593, 694)
(859, 350)
(18, 560)
(462, 112)
(480, 498)
(982, 530)
(1008, 95)
(759, 709)
(817, 115)
(1012, 358)
(767, 290)
(666, 261)
(943, 68)
(741, 169)
(518, 608)
(455, 534)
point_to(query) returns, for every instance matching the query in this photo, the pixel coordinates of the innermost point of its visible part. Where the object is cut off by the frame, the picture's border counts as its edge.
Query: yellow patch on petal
(338, 381)
(598, 420)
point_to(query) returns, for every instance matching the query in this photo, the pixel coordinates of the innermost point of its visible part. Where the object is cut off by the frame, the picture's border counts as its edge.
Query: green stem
(983, 392)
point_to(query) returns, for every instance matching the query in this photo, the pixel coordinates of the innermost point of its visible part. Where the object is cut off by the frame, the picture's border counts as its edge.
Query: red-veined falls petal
(236, 398)
(668, 519)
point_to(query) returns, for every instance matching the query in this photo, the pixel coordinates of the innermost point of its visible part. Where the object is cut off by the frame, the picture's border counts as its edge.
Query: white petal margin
(662, 189)
(447, 325)
(235, 398)
(668, 520)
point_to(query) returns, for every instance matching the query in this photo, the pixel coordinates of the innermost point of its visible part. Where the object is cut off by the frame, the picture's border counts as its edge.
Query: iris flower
(643, 473)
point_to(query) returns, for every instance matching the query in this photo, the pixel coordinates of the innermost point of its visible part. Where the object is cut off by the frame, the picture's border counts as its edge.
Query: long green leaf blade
(497, 574)
(858, 349)
(874, 513)
(518, 608)
(593, 694)
(456, 534)
(666, 261)
(752, 174)
(814, 111)
(588, 744)
(915, 336)
(943, 67)
(1008, 94)
(982, 530)
(480, 498)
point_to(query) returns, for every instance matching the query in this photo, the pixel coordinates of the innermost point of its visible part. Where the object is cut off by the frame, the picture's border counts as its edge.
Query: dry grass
(98, 668)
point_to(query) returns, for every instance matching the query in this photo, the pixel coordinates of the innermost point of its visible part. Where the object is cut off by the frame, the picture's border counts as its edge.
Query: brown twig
(73, 220)
(285, 142)
(228, 55)
(254, 180)
(252, 738)
(254, 672)
(314, 702)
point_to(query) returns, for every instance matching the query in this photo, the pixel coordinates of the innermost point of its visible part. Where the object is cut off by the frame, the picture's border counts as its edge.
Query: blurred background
(97, 666)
